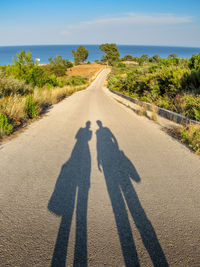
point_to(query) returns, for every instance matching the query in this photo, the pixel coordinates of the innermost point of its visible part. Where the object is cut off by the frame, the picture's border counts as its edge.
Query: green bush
(192, 81)
(11, 86)
(191, 135)
(194, 62)
(155, 58)
(127, 58)
(75, 80)
(31, 107)
(190, 106)
(26, 69)
(169, 83)
(5, 127)
(58, 66)
(115, 83)
(121, 65)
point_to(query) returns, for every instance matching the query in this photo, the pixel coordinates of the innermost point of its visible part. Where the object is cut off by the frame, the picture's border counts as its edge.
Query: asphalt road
(93, 184)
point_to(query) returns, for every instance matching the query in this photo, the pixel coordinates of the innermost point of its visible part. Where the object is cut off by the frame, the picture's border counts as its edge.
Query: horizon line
(100, 44)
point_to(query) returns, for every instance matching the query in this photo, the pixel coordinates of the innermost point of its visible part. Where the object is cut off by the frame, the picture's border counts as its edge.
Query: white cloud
(134, 28)
(64, 33)
(135, 19)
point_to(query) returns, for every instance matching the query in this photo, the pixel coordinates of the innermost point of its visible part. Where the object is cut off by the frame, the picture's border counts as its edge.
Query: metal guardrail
(167, 114)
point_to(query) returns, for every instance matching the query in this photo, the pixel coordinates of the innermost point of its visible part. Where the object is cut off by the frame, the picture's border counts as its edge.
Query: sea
(43, 52)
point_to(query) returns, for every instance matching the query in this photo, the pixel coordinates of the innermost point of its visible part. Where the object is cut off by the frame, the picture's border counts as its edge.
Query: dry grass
(141, 112)
(154, 113)
(47, 97)
(14, 108)
(190, 134)
(187, 134)
(85, 70)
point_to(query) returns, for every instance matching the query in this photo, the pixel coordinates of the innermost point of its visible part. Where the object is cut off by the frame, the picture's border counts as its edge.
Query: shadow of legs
(60, 250)
(144, 227)
(80, 255)
(123, 226)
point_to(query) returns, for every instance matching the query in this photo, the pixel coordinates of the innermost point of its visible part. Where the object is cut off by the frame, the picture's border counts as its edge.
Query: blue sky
(138, 22)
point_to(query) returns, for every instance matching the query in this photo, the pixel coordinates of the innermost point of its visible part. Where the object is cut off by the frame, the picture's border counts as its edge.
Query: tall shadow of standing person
(118, 171)
(74, 179)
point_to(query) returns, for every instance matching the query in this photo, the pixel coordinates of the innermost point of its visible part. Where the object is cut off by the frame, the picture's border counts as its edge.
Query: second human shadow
(118, 171)
(73, 180)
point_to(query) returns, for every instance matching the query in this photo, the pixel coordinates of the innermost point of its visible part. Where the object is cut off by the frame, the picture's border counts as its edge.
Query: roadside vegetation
(27, 89)
(172, 83)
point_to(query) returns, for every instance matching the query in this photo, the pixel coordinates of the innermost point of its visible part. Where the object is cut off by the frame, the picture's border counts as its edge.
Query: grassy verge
(15, 111)
(189, 135)
(27, 89)
(169, 85)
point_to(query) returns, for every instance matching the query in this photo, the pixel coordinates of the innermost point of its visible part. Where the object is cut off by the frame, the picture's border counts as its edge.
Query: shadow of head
(99, 123)
(88, 124)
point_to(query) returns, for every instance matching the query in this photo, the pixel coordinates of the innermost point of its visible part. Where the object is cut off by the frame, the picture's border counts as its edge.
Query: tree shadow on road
(73, 180)
(118, 171)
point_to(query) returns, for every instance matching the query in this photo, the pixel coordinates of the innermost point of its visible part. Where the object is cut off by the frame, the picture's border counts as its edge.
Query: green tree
(172, 56)
(112, 55)
(128, 58)
(173, 59)
(143, 59)
(22, 64)
(194, 62)
(80, 55)
(26, 69)
(58, 66)
(154, 59)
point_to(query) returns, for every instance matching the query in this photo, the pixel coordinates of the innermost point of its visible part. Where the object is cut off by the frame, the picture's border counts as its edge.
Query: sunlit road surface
(93, 184)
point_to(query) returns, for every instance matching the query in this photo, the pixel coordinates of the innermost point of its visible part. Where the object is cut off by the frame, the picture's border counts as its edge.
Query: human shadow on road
(73, 180)
(118, 171)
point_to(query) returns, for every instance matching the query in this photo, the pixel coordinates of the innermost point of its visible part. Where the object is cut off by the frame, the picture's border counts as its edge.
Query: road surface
(93, 184)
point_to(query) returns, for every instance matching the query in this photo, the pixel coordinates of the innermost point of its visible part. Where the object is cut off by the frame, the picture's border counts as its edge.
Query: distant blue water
(45, 51)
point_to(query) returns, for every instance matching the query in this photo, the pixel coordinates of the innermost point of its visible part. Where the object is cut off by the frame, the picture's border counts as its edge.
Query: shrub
(58, 66)
(171, 86)
(25, 69)
(31, 107)
(127, 58)
(189, 105)
(190, 135)
(115, 83)
(11, 86)
(192, 81)
(121, 65)
(194, 62)
(14, 108)
(170, 81)
(75, 80)
(5, 127)
(155, 58)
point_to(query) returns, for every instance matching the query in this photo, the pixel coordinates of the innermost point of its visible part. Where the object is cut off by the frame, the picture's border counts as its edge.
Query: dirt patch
(85, 70)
